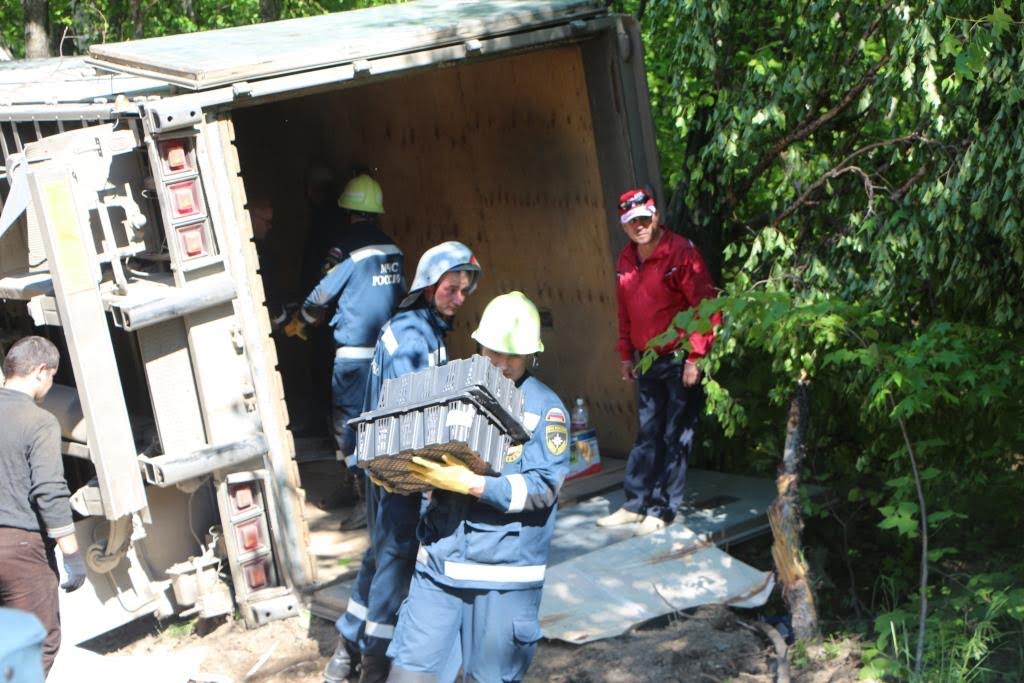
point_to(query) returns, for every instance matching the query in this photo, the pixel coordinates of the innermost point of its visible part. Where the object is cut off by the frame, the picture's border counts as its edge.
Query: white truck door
(64, 175)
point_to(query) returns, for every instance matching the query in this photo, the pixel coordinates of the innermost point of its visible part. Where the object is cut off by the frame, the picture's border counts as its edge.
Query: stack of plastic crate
(466, 409)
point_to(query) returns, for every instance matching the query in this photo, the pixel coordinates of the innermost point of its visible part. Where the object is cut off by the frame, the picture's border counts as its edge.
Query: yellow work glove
(453, 475)
(378, 482)
(296, 327)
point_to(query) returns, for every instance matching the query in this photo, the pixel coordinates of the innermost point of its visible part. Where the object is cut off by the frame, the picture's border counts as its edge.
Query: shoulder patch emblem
(556, 437)
(514, 453)
(555, 415)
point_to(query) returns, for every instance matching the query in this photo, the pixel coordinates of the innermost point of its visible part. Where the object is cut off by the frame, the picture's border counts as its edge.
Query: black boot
(374, 669)
(342, 663)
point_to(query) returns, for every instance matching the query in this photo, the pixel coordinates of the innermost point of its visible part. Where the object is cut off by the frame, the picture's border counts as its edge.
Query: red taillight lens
(241, 497)
(175, 156)
(185, 199)
(192, 239)
(256, 574)
(250, 534)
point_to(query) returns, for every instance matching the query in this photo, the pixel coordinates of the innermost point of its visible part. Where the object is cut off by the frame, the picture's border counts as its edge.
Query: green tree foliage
(76, 24)
(852, 171)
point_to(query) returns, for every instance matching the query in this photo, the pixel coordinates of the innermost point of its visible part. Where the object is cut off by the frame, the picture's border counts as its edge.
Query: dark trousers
(669, 412)
(383, 580)
(28, 581)
(348, 386)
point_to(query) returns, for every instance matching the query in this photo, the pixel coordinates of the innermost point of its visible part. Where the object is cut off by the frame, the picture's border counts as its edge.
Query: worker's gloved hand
(453, 475)
(296, 327)
(74, 567)
(378, 482)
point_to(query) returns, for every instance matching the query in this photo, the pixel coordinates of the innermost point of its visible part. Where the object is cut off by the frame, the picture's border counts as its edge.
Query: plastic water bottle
(579, 421)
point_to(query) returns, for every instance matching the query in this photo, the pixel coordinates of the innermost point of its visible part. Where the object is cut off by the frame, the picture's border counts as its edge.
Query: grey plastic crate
(466, 408)
(474, 374)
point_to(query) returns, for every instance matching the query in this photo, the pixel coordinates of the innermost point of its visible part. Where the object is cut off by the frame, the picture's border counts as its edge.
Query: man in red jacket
(659, 274)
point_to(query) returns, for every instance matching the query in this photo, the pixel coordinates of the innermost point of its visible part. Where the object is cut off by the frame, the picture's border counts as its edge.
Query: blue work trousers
(383, 579)
(348, 385)
(656, 469)
(491, 635)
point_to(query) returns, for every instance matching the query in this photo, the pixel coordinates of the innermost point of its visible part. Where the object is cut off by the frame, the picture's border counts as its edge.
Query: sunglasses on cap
(634, 201)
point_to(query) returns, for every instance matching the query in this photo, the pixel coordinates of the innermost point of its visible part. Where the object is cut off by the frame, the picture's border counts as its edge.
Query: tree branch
(897, 194)
(922, 615)
(837, 170)
(803, 130)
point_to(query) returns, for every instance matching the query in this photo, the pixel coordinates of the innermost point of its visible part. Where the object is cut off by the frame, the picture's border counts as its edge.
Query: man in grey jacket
(34, 509)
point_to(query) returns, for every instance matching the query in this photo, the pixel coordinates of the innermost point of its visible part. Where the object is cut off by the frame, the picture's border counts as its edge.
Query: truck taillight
(183, 207)
(255, 574)
(176, 156)
(246, 504)
(250, 534)
(192, 239)
(241, 497)
(185, 199)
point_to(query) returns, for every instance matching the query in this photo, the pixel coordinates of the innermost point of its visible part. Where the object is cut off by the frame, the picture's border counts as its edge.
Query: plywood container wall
(500, 155)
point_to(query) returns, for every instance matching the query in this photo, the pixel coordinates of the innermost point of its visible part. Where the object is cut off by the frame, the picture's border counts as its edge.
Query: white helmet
(440, 259)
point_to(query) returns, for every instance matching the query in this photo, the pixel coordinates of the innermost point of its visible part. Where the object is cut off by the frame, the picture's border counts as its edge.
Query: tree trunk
(138, 19)
(270, 10)
(37, 28)
(787, 523)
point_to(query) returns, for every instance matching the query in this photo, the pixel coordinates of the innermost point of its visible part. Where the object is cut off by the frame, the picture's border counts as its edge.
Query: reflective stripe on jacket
(367, 283)
(412, 340)
(501, 541)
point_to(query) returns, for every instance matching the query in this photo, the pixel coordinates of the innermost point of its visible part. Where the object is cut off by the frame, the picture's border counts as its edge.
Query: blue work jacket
(412, 340)
(367, 283)
(501, 541)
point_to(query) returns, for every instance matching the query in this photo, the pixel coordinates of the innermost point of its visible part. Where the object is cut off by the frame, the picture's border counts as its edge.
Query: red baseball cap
(635, 203)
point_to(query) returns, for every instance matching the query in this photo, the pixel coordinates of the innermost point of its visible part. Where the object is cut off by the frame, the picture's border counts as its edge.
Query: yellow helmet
(362, 193)
(510, 324)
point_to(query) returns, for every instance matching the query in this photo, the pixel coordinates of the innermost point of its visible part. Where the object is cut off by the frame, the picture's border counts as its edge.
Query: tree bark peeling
(787, 523)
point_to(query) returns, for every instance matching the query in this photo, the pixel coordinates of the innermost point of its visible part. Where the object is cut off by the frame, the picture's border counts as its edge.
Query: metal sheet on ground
(604, 593)
(724, 507)
(721, 507)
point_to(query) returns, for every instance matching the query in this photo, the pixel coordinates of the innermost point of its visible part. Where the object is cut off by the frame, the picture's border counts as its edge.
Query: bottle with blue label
(579, 421)
(584, 458)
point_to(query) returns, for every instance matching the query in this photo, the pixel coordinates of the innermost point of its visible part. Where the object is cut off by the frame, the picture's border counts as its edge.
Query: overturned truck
(126, 238)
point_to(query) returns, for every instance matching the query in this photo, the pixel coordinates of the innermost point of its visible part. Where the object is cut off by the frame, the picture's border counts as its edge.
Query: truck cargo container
(126, 238)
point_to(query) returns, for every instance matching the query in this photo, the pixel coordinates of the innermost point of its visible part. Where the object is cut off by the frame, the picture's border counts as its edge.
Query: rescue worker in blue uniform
(412, 340)
(367, 283)
(474, 600)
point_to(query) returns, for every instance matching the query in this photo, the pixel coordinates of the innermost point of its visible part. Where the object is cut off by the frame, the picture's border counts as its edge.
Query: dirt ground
(711, 644)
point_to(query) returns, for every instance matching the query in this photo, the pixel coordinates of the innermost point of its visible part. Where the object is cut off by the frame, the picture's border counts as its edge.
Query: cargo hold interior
(516, 156)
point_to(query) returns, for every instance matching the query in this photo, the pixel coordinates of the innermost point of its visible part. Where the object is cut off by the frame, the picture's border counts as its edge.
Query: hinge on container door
(238, 339)
(170, 115)
(248, 396)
